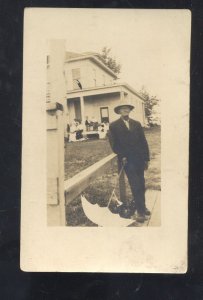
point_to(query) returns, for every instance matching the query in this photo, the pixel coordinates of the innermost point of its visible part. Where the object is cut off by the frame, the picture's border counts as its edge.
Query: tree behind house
(152, 108)
(152, 104)
(109, 61)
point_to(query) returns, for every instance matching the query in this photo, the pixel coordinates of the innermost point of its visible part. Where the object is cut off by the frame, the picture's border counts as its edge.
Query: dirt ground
(80, 155)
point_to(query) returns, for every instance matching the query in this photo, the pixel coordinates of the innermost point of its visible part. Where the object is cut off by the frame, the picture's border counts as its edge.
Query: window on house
(76, 78)
(104, 111)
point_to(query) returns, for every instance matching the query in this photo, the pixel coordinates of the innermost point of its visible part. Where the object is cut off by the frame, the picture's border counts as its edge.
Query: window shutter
(76, 73)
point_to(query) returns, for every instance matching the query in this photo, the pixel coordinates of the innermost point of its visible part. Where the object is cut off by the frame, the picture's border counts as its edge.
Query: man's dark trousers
(135, 174)
(131, 144)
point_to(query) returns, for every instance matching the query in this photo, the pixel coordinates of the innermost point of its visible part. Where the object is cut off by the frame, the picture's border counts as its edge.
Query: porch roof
(107, 89)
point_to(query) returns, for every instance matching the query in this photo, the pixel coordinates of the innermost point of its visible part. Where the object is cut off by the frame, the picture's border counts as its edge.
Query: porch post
(122, 95)
(82, 107)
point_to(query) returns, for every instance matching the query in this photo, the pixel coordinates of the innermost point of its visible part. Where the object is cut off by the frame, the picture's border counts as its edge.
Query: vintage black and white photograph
(105, 140)
(111, 137)
(107, 130)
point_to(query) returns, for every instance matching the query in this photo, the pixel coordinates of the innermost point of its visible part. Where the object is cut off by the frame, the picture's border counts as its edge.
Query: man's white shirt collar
(126, 123)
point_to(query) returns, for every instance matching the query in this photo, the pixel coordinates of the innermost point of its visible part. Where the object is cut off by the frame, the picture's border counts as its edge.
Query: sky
(152, 46)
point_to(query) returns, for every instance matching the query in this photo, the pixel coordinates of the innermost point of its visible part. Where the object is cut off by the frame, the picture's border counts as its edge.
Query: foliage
(109, 61)
(152, 108)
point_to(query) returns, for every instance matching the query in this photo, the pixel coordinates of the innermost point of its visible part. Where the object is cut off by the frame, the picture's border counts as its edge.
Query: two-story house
(87, 88)
(93, 91)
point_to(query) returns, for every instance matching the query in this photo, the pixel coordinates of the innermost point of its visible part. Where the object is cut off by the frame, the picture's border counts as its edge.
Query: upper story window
(76, 77)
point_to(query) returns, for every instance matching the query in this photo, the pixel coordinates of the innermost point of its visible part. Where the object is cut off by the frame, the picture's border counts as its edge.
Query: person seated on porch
(72, 135)
(68, 132)
(90, 126)
(94, 123)
(104, 127)
(106, 124)
(102, 131)
(81, 126)
(79, 131)
(87, 124)
(101, 127)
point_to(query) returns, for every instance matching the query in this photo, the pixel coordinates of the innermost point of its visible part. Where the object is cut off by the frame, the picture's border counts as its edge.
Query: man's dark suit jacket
(130, 143)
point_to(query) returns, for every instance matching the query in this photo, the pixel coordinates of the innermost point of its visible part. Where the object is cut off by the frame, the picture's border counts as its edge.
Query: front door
(104, 111)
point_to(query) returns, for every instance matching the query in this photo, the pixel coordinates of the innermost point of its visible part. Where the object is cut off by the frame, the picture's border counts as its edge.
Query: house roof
(70, 55)
(95, 57)
(132, 90)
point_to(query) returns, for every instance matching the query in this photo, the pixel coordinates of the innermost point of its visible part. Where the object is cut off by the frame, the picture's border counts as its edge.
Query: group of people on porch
(78, 131)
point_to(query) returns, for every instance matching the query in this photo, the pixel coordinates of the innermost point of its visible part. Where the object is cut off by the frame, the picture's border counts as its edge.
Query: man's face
(124, 111)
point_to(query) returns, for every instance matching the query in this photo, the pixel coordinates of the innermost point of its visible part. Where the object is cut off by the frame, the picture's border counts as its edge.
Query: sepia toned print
(105, 140)
(99, 114)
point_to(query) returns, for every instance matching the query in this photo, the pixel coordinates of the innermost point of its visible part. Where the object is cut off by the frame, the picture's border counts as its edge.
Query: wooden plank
(78, 183)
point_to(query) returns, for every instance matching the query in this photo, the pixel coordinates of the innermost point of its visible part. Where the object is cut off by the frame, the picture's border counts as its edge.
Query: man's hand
(124, 161)
(146, 165)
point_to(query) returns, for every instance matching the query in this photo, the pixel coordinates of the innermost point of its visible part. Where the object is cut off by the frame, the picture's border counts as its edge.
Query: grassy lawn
(80, 155)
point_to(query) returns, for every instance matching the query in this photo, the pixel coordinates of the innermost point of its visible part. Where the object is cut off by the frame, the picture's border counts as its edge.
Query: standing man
(128, 141)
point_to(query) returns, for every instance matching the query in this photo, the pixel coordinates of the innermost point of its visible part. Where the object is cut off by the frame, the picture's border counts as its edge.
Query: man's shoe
(140, 218)
(125, 212)
(147, 212)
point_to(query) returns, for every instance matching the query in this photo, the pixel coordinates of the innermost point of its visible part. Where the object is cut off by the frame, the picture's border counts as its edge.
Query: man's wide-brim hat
(118, 107)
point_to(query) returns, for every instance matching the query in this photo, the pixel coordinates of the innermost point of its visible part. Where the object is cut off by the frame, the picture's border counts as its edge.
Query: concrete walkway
(153, 203)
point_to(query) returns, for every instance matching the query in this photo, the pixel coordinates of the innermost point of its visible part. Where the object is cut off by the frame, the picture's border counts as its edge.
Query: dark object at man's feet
(147, 212)
(114, 208)
(125, 211)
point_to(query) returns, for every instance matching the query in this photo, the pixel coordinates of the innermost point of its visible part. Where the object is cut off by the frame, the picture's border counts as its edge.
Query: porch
(97, 104)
